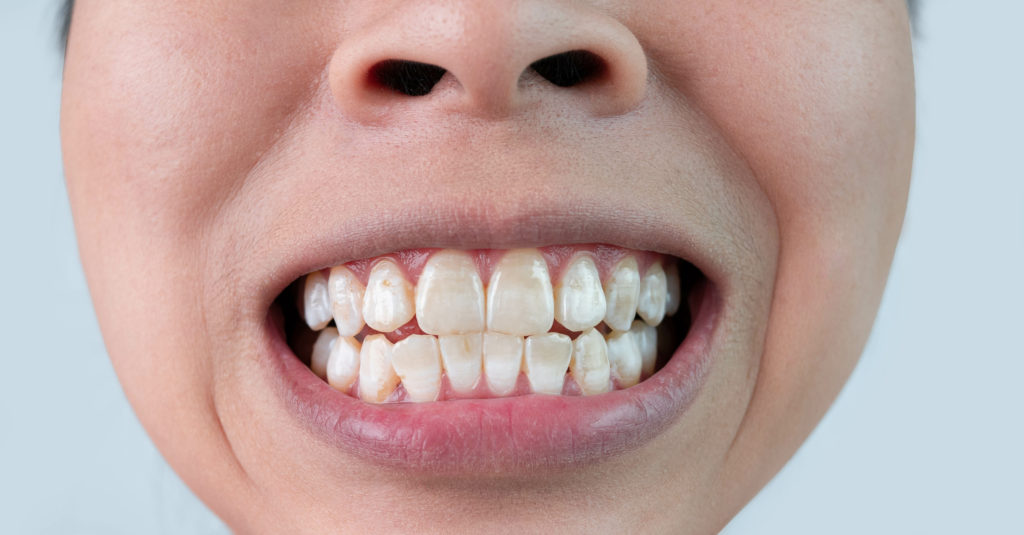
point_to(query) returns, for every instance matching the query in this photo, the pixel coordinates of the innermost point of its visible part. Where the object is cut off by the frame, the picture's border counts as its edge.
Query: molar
(589, 365)
(388, 302)
(346, 293)
(463, 359)
(322, 351)
(675, 292)
(653, 294)
(503, 359)
(579, 299)
(646, 338)
(343, 364)
(417, 361)
(316, 303)
(377, 377)
(546, 359)
(450, 295)
(519, 295)
(624, 358)
(622, 292)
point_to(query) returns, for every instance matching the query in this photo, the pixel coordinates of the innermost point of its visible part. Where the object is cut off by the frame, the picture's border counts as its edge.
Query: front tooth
(377, 377)
(646, 338)
(503, 358)
(322, 351)
(579, 299)
(519, 298)
(343, 364)
(346, 294)
(388, 303)
(675, 292)
(653, 294)
(316, 302)
(450, 295)
(589, 365)
(622, 291)
(417, 361)
(462, 355)
(624, 358)
(545, 359)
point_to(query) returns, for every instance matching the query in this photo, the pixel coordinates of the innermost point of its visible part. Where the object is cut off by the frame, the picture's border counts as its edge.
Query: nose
(487, 58)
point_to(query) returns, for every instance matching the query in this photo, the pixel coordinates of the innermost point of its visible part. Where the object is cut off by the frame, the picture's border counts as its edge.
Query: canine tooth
(322, 351)
(653, 293)
(589, 365)
(377, 377)
(462, 356)
(388, 303)
(545, 361)
(503, 358)
(622, 292)
(450, 295)
(316, 303)
(646, 338)
(675, 293)
(519, 296)
(579, 299)
(624, 358)
(343, 364)
(346, 293)
(417, 361)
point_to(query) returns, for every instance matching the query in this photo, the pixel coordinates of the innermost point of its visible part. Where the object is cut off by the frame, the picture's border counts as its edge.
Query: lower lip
(502, 435)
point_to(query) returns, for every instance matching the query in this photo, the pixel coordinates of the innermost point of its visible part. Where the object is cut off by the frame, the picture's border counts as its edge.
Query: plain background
(927, 437)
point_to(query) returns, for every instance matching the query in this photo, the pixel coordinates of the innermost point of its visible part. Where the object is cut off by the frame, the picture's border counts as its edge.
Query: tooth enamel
(417, 361)
(519, 295)
(503, 358)
(316, 303)
(450, 295)
(388, 302)
(675, 293)
(343, 364)
(622, 292)
(579, 299)
(589, 365)
(462, 356)
(346, 293)
(653, 293)
(624, 358)
(322, 351)
(545, 361)
(646, 338)
(377, 377)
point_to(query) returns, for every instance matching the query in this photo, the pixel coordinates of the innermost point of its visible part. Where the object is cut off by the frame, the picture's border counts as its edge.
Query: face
(297, 218)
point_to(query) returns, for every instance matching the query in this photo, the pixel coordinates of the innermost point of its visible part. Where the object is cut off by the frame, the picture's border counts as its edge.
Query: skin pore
(216, 153)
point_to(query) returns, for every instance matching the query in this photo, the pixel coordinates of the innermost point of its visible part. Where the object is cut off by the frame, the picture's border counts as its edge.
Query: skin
(209, 145)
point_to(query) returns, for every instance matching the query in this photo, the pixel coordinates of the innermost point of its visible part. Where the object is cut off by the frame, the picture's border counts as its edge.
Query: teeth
(519, 298)
(624, 358)
(377, 378)
(622, 292)
(388, 303)
(589, 365)
(579, 299)
(316, 303)
(646, 338)
(417, 361)
(343, 365)
(653, 294)
(462, 355)
(346, 293)
(675, 292)
(322, 351)
(503, 358)
(546, 358)
(450, 295)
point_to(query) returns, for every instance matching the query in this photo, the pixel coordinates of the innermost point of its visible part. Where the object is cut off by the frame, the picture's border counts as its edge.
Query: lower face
(340, 299)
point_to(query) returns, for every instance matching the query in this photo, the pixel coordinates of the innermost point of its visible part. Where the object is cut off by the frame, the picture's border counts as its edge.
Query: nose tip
(488, 59)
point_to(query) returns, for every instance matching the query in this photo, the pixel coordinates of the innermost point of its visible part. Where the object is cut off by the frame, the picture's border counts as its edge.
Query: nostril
(410, 78)
(570, 68)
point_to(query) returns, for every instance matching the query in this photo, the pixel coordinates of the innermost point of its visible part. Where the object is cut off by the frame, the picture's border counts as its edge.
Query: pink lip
(500, 435)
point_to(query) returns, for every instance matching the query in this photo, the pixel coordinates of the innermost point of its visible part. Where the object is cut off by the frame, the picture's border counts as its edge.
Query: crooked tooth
(450, 295)
(624, 358)
(343, 364)
(653, 294)
(545, 361)
(579, 298)
(417, 361)
(589, 365)
(462, 356)
(519, 295)
(316, 303)
(322, 351)
(388, 302)
(346, 294)
(377, 377)
(675, 291)
(646, 338)
(503, 358)
(622, 292)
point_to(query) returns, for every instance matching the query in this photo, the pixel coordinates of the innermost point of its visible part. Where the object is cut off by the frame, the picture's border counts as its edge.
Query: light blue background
(927, 437)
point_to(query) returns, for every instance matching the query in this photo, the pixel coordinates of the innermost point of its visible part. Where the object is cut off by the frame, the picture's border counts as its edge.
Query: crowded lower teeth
(449, 336)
